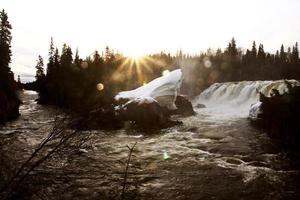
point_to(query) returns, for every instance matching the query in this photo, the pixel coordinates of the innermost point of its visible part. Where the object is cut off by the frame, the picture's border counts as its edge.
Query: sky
(137, 27)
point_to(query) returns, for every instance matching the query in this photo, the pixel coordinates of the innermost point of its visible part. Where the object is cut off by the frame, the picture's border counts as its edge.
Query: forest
(69, 78)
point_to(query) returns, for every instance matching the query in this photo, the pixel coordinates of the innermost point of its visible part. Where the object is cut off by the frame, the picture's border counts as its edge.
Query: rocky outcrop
(280, 117)
(163, 90)
(152, 104)
(184, 107)
(145, 114)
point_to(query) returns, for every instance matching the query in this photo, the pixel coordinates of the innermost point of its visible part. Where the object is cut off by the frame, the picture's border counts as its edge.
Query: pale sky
(146, 26)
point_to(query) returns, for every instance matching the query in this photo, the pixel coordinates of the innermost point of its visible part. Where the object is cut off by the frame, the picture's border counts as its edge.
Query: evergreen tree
(50, 65)
(9, 102)
(56, 59)
(66, 58)
(40, 74)
(254, 50)
(77, 59)
(282, 54)
(261, 55)
(5, 49)
(295, 53)
(232, 49)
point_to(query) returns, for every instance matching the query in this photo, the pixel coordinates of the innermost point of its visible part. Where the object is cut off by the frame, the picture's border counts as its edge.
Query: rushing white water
(235, 98)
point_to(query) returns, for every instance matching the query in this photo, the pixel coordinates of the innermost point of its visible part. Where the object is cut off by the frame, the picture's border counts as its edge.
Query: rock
(163, 90)
(150, 114)
(280, 117)
(151, 105)
(184, 107)
(255, 111)
(199, 105)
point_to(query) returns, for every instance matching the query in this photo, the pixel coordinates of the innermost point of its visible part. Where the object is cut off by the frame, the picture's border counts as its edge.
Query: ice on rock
(162, 90)
(255, 110)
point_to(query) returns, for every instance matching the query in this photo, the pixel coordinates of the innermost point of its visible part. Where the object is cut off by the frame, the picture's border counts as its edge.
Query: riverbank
(9, 106)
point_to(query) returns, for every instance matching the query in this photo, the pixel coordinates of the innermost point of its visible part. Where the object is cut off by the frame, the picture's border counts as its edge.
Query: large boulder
(163, 90)
(184, 106)
(151, 104)
(146, 113)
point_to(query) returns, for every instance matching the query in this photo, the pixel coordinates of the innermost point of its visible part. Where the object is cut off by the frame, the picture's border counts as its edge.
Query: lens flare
(84, 65)
(207, 63)
(100, 86)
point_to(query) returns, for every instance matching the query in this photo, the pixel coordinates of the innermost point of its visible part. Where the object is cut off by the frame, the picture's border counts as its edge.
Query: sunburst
(136, 64)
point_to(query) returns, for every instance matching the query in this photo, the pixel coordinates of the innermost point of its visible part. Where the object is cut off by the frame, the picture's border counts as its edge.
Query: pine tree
(282, 54)
(232, 49)
(56, 59)
(66, 58)
(5, 48)
(77, 59)
(261, 55)
(50, 65)
(107, 55)
(295, 53)
(40, 74)
(254, 50)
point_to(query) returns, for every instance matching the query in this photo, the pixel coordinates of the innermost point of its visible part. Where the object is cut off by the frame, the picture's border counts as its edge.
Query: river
(211, 156)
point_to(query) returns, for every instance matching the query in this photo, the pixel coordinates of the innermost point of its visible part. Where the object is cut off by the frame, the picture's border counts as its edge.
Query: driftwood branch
(126, 170)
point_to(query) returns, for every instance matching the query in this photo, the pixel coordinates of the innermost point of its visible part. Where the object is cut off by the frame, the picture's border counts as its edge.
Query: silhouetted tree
(40, 74)
(254, 50)
(6, 75)
(9, 102)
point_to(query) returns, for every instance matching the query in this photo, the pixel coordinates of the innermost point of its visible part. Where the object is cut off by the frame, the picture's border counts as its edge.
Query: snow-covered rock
(255, 111)
(162, 90)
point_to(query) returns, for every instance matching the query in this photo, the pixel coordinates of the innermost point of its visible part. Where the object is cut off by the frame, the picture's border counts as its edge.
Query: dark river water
(210, 156)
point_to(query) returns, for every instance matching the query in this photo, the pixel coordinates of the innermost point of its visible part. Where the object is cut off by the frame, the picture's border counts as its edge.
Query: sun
(135, 55)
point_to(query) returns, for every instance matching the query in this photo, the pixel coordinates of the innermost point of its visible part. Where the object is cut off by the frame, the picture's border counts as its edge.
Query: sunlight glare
(165, 155)
(135, 55)
(165, 72)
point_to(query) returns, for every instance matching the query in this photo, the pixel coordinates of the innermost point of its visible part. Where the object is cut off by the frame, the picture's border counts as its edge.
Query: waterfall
(235, 98)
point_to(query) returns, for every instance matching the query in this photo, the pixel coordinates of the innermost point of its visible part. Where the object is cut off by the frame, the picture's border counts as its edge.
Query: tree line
(70, 79)
(234, 64)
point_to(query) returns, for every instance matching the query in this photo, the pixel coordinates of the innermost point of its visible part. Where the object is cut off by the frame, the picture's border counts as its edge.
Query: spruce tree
(50, 65)
(295, 53)
(40, 74)
(282, 54)
(5, 49)
(261, 55)
(254, 50)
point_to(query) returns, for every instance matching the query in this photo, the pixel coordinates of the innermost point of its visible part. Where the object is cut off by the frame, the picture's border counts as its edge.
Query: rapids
(213, 155)
(234, 99)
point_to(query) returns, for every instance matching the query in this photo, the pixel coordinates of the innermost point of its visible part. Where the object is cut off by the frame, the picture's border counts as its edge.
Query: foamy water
(233, 99)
